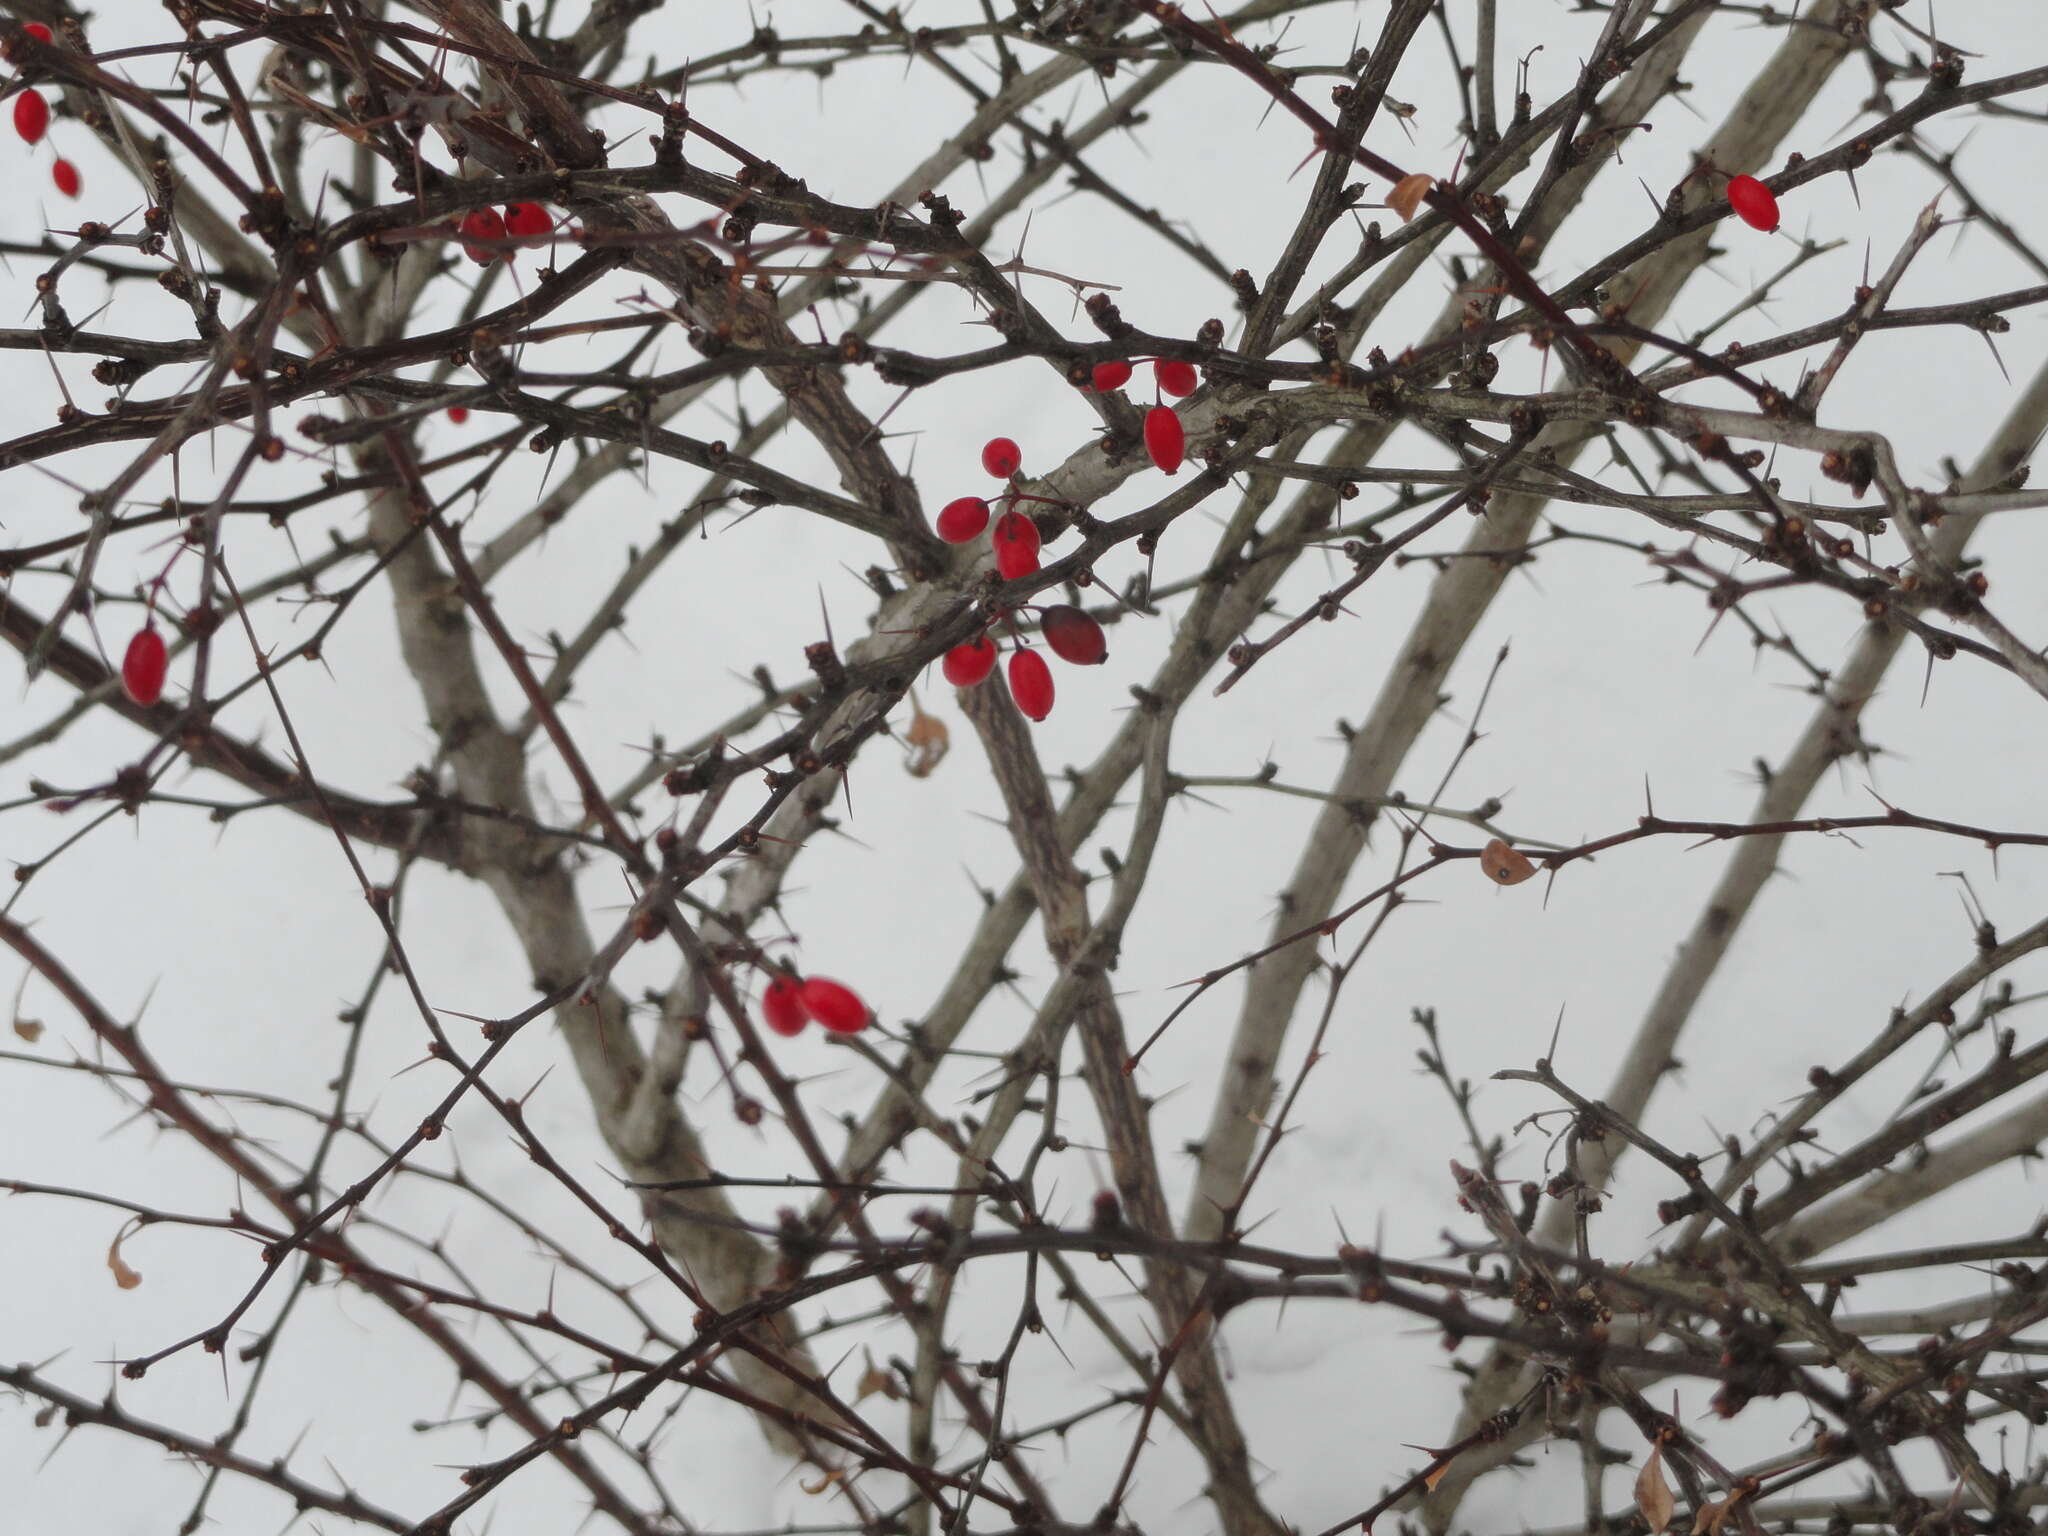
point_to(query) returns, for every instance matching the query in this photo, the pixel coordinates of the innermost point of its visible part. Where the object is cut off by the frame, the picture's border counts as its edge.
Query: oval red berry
(1074, 636)
(1753, 203)
(458, 414)
(143, 668)
(782, 1006)
(1001, 457)
(966, 665)
(1031, 684)
(527, 221)
(1165, 438)
(481, 224)
(1108, 376)
(962, 519)
(836, 1006)
(31, 116)
(1016, 545)
(1176, 378)
(65, 178)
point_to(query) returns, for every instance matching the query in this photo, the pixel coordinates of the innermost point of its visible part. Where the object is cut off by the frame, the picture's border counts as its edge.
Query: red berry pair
(1175, 378)
(790, 1002)
(519, 221)
(32, 122)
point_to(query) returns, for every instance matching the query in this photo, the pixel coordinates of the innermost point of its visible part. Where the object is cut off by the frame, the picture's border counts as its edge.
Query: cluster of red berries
(519, 221)
(1015, 536)
(32, 121)
(1070, 633)
(790, 1002)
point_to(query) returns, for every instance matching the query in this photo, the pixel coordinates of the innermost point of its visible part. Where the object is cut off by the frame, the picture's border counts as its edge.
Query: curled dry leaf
(928, 740)
(30, 1030)
(124, 1277)
(1408, 194)
(1504, 865)
(1653, 1495)
(1706, 1521)
(876, 1379)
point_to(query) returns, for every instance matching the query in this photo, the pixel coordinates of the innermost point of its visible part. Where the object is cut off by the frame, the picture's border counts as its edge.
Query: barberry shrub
(998, 768)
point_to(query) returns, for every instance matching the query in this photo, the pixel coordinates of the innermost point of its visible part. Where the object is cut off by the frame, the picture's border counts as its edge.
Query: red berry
(782, 1006)
(1031, 683)
(836, 1006)
(143, 668)
(1165, 438)
(527, 221)
(39, 32)
(481, 224)
(31, 116)
(65, 177)
(1176, 378)
(966, 665)
(962, 519)
(1108, 376)
(1074, 636)
(458, 414)
(1753, 203)
(1001, 457)
(1016, 544)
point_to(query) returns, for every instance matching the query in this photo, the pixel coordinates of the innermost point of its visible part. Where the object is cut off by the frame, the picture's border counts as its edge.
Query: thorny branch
(386, 305)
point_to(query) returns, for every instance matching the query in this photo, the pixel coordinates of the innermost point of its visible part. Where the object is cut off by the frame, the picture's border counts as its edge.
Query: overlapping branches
(317, 184)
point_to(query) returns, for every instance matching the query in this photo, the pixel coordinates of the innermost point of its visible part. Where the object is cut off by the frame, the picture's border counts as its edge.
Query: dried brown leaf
(124, 1277)
(876, 1379)
(1505, 865)
(30, 1030)
(1408, 194)
(1653, 1495)
(1706, 1521)
(929, 741)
